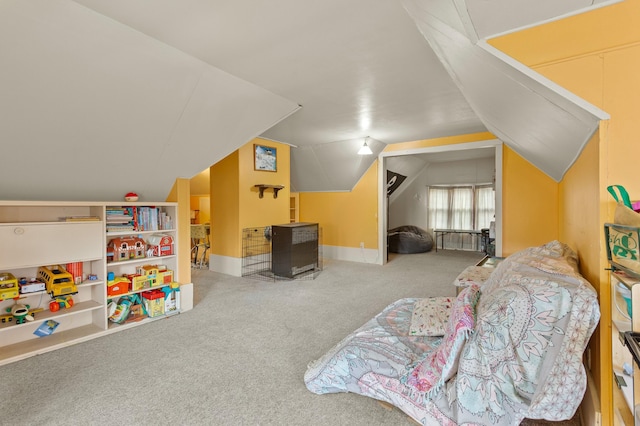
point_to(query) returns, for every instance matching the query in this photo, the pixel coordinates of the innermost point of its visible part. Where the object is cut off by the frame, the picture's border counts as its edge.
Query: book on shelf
(46, 328)
(138, 218)
(120, 228)
(80, 219)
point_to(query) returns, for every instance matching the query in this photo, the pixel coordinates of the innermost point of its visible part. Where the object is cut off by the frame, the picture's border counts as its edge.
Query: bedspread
(534, 318)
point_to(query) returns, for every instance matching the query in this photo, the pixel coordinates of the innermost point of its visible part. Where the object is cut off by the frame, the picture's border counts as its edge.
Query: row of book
(134, 218)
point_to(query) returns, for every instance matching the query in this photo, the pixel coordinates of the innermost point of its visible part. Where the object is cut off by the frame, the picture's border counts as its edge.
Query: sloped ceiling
(544, 123)
(490, 18)
(92, 109)
(104, 97)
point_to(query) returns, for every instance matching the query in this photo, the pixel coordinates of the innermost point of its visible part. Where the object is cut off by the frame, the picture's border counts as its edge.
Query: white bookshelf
(621, 322)
(34, 234)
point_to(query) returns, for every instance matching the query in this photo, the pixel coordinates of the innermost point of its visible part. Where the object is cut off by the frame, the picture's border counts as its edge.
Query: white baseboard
(233, 265)
(226, 265)
(351, 254)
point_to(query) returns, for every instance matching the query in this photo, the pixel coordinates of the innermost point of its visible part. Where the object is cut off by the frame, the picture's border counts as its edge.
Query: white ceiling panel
(100, 109)
(541, 121)
(94, 86)
(334, 166)
(493, 17)
(354, 73)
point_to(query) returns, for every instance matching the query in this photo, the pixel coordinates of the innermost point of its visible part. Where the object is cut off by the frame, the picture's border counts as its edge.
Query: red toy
(60, 302)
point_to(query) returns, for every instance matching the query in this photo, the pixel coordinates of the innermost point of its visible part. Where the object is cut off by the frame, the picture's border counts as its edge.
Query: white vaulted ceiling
(102, 97)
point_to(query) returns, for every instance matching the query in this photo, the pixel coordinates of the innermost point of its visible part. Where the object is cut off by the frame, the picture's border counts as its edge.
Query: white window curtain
(468, 207)
(485, 206)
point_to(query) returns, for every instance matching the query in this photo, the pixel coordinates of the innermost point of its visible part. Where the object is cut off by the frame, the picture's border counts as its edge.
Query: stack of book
(138, 219)
(120, 219)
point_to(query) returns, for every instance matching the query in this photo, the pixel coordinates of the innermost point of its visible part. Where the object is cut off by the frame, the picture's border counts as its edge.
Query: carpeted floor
(238, 358)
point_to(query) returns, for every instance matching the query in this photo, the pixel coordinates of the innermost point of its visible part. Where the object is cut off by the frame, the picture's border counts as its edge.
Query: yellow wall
(597, 57)
(346, 218)
(225, 195)
(580, 227)
(451, 140)
(235, 203)
(255, 211)
(529, 197)
(349, 218)
(180, 194)
(202, 204)
(200, 184)
(529, 204)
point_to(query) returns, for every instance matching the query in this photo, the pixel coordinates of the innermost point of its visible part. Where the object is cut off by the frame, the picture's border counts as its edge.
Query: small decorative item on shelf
(60, 302)
(19, 313)
(160, 245)
(31, 285)
(126, 248)
(75, 269)
(153, 301)
(8, 286)
(131, 196)
(117, 286)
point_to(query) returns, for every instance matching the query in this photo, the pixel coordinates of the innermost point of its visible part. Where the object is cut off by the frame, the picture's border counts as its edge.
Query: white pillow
(473, 275)
(430, 316)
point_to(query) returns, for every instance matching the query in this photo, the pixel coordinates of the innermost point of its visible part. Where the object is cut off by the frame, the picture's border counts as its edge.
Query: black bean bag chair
(409, 239)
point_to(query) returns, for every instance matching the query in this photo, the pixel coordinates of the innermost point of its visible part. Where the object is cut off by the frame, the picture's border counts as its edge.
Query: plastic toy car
(58, 281)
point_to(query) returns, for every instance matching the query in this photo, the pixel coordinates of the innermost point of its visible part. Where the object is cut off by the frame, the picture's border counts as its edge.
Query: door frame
(382, 187)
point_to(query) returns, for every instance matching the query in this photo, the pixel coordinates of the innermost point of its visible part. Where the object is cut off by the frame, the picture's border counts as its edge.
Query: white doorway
(457, 151)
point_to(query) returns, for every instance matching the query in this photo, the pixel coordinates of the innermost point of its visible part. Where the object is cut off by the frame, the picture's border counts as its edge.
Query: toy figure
(20, 313)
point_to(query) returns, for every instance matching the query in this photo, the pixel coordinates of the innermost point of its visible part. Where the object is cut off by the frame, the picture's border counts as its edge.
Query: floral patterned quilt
(523, 358)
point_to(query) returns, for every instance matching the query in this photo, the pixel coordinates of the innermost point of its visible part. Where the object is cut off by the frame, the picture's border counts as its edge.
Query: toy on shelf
(153, 301)
(131, 196)
(150, 272)
(60, 303)
(75, 269)
(171, 298)
(165, 276)
(31, 285)
(118, 285)
(20, 313)
(160, 245)
(138, 282)
(8, 286)
(127, 309)
(121, 310)
(58, 281)
(137, 311)
(125, 248)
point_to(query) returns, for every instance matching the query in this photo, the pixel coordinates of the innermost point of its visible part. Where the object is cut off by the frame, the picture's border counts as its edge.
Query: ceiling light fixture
(365, 150)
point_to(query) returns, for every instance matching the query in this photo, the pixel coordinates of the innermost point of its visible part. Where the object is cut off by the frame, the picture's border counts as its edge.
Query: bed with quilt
(503, 350)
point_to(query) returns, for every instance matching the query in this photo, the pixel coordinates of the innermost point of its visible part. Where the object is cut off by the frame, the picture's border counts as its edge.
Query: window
(460, 207)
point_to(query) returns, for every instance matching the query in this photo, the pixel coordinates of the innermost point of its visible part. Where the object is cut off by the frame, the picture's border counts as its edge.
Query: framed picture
(265, 158)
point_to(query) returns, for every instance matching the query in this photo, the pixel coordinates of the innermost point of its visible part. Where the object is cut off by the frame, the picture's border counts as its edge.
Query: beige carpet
(238, 358)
